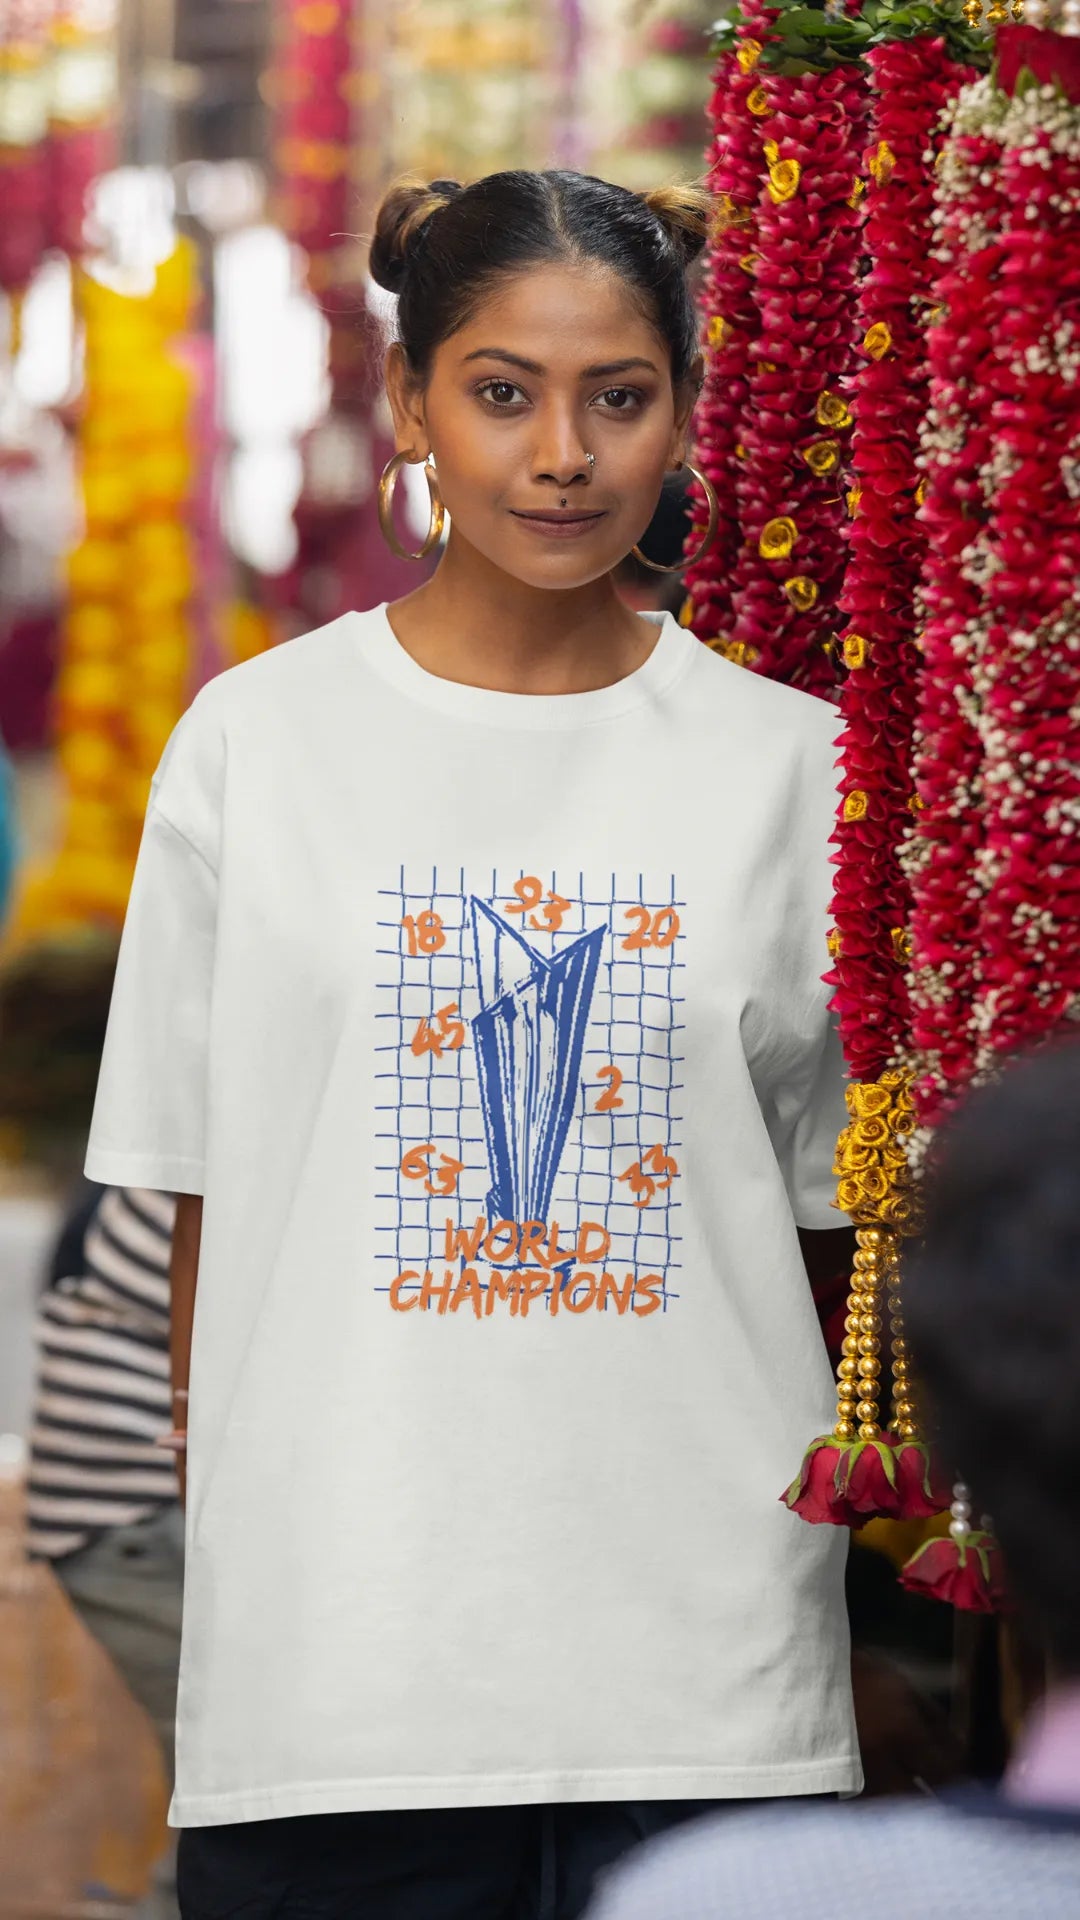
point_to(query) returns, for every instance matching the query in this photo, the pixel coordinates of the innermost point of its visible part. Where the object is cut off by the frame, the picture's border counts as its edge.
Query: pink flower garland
(790, 497)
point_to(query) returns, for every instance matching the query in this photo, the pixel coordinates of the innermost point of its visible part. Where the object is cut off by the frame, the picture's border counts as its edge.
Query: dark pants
(469, 1863)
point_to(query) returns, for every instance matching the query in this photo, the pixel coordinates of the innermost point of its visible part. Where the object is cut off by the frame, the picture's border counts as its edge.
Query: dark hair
(440, 247)
(992, 1304)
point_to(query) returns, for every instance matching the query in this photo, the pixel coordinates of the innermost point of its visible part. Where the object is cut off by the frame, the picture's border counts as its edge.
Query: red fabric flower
(966, 1573)
(921, 1489)
(844, 1483)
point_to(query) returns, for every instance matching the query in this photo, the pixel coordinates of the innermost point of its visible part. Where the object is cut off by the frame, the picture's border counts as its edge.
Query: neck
(474, 624)
(1045, 1771)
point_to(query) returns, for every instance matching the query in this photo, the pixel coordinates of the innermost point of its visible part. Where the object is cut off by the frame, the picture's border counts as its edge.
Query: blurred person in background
(102, 1497)
(992, 1305)
(473, 1605)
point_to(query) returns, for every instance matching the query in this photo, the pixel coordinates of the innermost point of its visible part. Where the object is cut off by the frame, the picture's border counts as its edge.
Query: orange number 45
(443, 1032)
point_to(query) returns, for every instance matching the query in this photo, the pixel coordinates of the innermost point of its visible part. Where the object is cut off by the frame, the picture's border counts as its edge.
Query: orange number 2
(610, 1097)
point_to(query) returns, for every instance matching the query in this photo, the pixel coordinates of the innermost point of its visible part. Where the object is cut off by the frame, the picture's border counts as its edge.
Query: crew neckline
(668, 660)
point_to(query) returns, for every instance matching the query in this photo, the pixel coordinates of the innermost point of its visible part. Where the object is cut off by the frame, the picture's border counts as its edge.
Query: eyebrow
(608, 368)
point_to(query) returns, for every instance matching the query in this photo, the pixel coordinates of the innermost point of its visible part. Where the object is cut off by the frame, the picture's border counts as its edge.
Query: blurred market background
(190, 432)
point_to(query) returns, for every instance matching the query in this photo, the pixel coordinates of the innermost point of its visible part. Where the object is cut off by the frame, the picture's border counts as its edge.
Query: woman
(470, 1001)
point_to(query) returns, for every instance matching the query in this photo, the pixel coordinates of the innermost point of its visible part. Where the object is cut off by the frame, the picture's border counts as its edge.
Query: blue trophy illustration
(528, 1039)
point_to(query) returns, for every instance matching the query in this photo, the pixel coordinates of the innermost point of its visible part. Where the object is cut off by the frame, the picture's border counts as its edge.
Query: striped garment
(103, 1380)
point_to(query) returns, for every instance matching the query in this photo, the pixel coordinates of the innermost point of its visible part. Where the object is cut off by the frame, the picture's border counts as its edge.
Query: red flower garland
(911, 82)
(958, 447)
(888, 1474)
(790, 498)
(1029, 687)
(737, 166)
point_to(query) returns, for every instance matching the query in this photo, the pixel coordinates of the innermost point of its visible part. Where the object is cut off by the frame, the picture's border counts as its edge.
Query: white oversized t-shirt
(491, 1028)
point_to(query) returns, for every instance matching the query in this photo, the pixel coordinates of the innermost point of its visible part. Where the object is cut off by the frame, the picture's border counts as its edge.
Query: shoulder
(280, 675)
(786, 742)
(243, 704)
(783, 1864)
(764, 708)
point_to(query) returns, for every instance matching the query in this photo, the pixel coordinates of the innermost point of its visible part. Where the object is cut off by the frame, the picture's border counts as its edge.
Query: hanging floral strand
(790, 497)
(957, 452)
(1013, 186)
(875, 1462)
(736, 171)
(1029, 692)
(912, 82)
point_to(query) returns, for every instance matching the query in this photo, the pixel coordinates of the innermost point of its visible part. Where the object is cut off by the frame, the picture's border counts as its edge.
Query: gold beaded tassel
(858, 1384)
(905, 1416)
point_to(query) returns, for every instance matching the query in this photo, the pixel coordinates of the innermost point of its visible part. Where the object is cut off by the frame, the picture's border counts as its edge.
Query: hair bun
(402, 217)
(683, 211)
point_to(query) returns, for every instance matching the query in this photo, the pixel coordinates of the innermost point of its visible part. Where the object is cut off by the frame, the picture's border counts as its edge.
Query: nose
(560, 456)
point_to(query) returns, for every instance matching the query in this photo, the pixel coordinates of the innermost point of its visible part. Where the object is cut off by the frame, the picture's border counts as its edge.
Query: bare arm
(183, 1279)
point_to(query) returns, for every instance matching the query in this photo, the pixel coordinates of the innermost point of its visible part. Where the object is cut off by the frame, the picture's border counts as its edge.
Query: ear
(406, 404)
(685, 401)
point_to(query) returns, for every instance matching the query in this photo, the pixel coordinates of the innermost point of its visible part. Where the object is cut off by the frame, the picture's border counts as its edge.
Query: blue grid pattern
(636, 1024)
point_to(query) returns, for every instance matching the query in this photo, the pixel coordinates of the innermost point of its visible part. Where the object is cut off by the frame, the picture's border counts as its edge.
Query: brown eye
(500, 394)
(620, 400)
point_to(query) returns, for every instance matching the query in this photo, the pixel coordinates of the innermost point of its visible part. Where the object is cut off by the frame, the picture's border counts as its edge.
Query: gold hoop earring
(387, 482)
(713, 504)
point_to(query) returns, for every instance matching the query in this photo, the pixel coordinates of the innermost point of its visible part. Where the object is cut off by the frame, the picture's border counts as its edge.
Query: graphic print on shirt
(529, 1073)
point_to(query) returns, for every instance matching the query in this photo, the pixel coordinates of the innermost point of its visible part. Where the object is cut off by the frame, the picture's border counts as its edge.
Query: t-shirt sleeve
(149, 1115)
(809, 1117)
(808, 1108)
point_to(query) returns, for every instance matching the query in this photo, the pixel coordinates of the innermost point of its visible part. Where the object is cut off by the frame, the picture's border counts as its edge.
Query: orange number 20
(653, 929)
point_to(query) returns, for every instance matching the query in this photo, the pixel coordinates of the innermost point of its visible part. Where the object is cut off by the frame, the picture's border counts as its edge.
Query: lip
(559, 526)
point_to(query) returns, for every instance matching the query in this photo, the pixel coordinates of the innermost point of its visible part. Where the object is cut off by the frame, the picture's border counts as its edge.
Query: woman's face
(557, 363)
